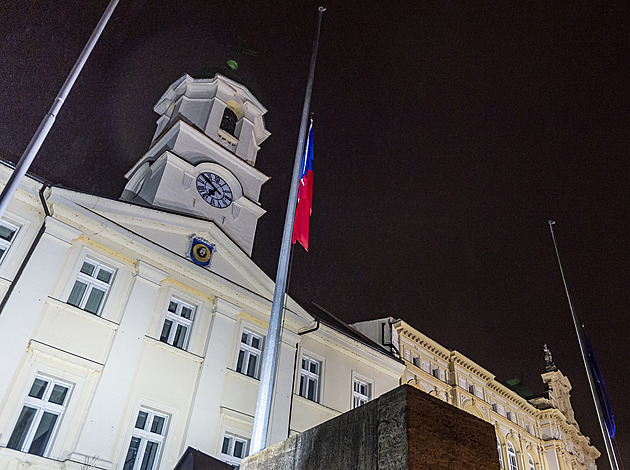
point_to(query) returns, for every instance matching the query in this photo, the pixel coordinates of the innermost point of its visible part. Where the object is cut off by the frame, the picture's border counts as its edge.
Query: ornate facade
(533, 433)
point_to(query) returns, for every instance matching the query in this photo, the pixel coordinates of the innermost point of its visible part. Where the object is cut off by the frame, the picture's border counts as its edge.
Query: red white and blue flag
(305, 195)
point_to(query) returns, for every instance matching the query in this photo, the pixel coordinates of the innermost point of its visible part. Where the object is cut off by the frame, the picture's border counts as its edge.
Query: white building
(120, 348)
(533, 433)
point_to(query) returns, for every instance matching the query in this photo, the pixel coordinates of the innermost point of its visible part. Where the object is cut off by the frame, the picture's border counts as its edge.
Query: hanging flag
(305, 195)
(601, 390)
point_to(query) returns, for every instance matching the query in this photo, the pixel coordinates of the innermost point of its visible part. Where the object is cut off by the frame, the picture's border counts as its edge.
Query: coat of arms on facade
(201, 251)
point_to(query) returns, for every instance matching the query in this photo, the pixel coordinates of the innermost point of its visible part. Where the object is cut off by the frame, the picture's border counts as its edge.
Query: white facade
(118, 349)
(535, 434)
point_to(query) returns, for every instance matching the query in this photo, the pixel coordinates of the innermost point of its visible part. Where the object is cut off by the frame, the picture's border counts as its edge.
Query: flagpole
(268, 371)
(44, 127)
(612, 458)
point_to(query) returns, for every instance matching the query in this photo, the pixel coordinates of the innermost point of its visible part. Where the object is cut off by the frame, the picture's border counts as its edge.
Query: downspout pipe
(31, 249)
(300, 333)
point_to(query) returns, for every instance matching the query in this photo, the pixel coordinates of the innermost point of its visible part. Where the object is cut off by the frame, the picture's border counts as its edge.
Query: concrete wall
(403, 429)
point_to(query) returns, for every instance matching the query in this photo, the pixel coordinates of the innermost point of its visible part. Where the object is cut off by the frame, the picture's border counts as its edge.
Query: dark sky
(445, 137)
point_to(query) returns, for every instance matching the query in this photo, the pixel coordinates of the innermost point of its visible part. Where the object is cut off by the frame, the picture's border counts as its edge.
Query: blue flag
(601, 390)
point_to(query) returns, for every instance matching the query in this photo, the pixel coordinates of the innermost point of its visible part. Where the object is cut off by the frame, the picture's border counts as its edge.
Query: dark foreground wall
(405, 429)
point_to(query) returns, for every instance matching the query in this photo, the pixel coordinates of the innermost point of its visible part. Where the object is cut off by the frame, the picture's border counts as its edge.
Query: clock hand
(209, 182)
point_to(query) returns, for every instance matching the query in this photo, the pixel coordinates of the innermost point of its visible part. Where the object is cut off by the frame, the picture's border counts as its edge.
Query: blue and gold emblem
(201, 252)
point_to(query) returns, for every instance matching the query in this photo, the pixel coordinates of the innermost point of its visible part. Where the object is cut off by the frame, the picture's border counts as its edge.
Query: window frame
(7, 244)
(248, 350)
(511, 454)
(531, 463)
(357, 395)
(145, 435)
(177, 320)
(500, 452)
(310, 376)
(92, 282)
(41, 406)
(230, 458)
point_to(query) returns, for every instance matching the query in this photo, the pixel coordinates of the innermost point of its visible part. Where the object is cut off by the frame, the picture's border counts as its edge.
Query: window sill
(12, 456)
(82, 313)
(227, 136)
(315, 404)
(242, 376)
(172, 349)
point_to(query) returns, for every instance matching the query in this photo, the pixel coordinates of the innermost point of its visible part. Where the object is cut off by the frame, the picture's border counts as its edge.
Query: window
(40, 416)
(508, 415)
(7, 234)
(228, 122)
(495, 408)
(309, 378)
(360, 393)
(233, 449)
(146, 441)
(91, 286)
(436, 373)
(249, 354)
(416, 361)
(177, 324)
(512, 457)
(531, 463)
(528, 428)
(471, 388)
(500, 454)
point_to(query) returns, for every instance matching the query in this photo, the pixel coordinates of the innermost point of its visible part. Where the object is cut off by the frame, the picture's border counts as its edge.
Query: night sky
(445, 137)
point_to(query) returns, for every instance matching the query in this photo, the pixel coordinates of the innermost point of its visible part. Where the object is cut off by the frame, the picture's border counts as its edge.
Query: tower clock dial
(214, 190)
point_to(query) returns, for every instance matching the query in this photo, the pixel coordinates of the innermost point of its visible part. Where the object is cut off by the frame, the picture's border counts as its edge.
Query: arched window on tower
(512, 456)
(500, 454)
(228, 122)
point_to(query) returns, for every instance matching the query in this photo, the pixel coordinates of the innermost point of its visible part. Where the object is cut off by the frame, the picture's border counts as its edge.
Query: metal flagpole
(42, 131)
(268, 371)
(612, 458)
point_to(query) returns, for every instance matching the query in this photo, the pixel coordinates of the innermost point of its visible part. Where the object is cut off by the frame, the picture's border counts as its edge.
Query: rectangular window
(234, 449)
(436, 373)
(177, 324)
(40, 416)
(7, 234)
(416, 361)
(495, 408)
(471, 388)
(309, 378)
(249, 354)
(508, 415)
(146, 441)
(360, 393)
(91, 286)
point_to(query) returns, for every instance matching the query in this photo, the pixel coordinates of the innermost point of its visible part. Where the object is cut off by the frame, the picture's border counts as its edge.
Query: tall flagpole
(612, 458)
(44, 128)
(268, 371)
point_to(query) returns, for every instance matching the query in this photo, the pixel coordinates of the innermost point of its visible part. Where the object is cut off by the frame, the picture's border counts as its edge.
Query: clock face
(214, 190)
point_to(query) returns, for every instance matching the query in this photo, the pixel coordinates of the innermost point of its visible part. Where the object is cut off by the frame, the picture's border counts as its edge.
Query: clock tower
(202, 156)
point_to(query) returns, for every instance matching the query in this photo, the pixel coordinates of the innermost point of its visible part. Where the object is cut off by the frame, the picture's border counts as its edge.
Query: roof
(336, 323)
